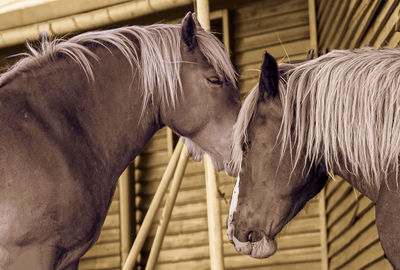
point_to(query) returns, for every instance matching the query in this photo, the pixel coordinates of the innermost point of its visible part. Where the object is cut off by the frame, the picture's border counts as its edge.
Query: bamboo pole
(312, 18)
(155, 203)
(170, 142)
(39, 11)
(213, 217)
(225, 30)
(167, 211)
(323, 227)
(87, 20)
(213, 203)
(127, 210)
(203, 13)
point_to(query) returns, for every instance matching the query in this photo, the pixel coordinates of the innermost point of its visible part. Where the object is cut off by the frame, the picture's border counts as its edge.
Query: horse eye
(215, 80)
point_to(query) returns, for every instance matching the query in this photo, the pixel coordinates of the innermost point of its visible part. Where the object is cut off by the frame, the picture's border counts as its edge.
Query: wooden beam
(155, 203)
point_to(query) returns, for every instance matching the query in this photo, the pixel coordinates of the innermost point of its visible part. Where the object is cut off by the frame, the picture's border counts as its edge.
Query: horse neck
(102, 120)
(370, 191)
(125, 126)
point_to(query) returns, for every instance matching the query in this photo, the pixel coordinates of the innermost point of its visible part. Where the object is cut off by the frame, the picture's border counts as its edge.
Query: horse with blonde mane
(339, 113)
(73, 115)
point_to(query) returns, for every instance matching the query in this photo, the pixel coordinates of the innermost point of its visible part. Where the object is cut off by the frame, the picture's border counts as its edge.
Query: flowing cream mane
(342, 108)
(157, 53)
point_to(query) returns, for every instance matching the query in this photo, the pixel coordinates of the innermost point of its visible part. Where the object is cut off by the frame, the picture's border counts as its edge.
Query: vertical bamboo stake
(312, 18)
(167, 211)
(127, 210)
(155, 203)
(225, 30)
(324, 237)
(203, 13)
(214, 217)
(213, 204)
(170, 142)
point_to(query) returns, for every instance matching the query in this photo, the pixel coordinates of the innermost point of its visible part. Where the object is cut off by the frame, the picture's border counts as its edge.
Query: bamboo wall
(280, 27)
(352, 235)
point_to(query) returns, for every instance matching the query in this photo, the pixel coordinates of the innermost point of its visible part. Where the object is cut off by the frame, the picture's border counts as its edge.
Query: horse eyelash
(215, 80)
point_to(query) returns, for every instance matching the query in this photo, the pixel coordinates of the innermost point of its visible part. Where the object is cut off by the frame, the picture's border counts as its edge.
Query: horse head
(269, 192)
(207, 109)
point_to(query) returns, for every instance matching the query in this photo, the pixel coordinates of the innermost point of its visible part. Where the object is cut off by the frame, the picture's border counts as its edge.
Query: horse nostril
(254, 236)
(250, 236)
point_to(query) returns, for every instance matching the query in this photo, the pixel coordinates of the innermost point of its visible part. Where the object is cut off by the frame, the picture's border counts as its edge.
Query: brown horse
(338, 113)
(73, 115)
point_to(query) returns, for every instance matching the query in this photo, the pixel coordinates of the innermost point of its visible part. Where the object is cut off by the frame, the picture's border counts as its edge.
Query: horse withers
(73, 115)
(338, 113)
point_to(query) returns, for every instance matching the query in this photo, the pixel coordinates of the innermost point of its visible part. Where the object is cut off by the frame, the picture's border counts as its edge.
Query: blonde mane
(343, 109)
(156, 53)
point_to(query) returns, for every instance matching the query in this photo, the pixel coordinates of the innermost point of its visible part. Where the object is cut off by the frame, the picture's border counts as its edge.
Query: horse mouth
(260, 249)
(263, 248)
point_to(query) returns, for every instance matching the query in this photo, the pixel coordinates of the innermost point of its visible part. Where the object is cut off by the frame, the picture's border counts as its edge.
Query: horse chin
(230, 171)
(218, 165)
(263, 248)
(195, 152)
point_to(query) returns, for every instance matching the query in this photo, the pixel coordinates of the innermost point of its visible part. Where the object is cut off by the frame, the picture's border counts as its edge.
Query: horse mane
(155, 50)
(343, 109)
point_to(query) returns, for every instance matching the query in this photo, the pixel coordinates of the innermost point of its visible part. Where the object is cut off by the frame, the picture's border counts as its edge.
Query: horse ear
(194, 16)
(269, 79)
(189, 31)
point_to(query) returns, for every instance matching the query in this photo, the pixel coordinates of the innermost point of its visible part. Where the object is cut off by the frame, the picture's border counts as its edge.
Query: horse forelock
(240, 129)
(215, 53)
(342, 108)
(157, 54)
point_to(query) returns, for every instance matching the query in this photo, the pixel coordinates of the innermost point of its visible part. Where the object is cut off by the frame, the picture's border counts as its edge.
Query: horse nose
(251, 236)
(254, 236)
